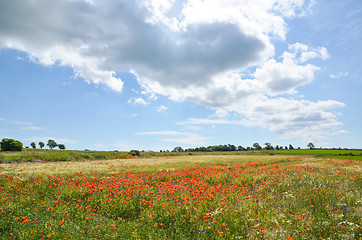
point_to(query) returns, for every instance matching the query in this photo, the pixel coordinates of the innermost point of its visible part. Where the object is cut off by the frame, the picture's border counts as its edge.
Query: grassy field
(77, 155)
(183, 197)
(59, 155)
(355, 154)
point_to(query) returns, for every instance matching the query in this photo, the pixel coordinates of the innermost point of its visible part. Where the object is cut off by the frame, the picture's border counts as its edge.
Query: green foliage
(135, 153)
(61, 146)
(8, 144)
(33, 145)
(311, 145)
(178, 149)
(41, 145)
(257, 146)
(51, 144)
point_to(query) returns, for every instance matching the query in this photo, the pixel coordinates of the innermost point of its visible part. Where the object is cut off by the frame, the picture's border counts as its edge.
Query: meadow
(200, 196)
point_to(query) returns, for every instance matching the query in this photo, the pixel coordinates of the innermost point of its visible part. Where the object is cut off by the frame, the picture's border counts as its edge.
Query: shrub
(11, 145)
(135, 153)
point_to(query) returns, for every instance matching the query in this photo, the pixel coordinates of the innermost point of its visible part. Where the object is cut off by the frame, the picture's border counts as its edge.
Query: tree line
(8, 144)
(231, 148)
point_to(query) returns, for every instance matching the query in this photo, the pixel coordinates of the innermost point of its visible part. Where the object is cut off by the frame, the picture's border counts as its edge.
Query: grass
(76, 155)
(59, 155)
(353, 154)
(183, 197)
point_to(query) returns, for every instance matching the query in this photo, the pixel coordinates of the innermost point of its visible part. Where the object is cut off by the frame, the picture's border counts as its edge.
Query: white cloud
(140, 101)
(208, 121)
(190, 50)
(161, 108)
(339, 75)
(33, 128)
(134, 115)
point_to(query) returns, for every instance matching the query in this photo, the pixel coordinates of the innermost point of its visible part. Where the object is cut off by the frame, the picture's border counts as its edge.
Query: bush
(135, 153)
(11, 145)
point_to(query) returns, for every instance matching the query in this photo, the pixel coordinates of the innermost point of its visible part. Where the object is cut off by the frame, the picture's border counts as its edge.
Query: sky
(156, 74)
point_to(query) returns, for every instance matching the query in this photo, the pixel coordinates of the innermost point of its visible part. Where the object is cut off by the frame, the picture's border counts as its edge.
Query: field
(199, 196)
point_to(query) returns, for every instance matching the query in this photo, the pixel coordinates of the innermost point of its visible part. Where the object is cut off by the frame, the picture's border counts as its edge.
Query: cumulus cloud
(140, 101)
(189, 50)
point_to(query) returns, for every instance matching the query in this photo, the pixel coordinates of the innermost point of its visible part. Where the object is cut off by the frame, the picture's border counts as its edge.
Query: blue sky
(156, 74)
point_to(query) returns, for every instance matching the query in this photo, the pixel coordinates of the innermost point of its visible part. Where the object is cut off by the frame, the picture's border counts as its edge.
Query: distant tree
(33, 145)
(257, 146)
(135, 153)
(178, 149)
(268, 146)
(241, 148)
(8, 144)
(310, 145)
(51, 144)
(286, 148)
(61, 146)
(290, 147)
(231, 147)
(41, 145)
(277, 147)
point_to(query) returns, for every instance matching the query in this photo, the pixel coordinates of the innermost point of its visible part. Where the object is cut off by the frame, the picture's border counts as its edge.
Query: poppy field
(188, 197)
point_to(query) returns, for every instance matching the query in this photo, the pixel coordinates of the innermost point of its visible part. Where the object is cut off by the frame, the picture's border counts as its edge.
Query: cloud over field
(192, 50)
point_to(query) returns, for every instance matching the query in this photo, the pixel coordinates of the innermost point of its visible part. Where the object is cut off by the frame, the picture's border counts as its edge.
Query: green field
(78, 155)
(59, 155)
(209, 196)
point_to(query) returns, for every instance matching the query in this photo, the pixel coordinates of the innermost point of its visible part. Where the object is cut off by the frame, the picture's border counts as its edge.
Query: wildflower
(61, 223)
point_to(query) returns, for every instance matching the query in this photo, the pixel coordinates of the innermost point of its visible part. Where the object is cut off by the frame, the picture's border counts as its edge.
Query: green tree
(8, 144)
(310, 145)
(51, 144)
(135, 153)
(257, 146)
(33, 145)
(291, 147)
(61, 146)
(268, 146)
(178, 149)
(41, 145)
